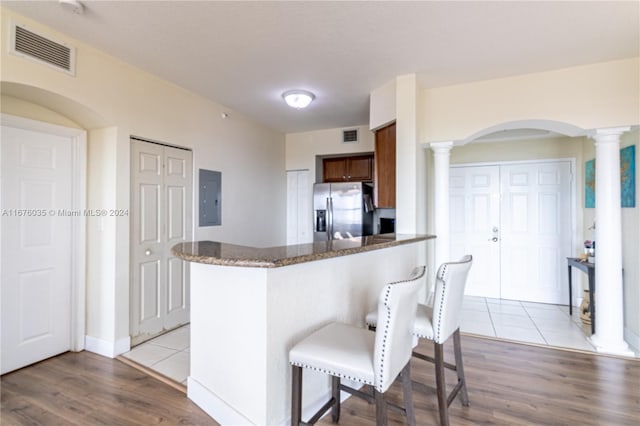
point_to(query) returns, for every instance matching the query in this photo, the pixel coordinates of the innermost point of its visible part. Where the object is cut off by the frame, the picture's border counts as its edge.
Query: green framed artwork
(628, 176)
(627, 179)
(590, 184)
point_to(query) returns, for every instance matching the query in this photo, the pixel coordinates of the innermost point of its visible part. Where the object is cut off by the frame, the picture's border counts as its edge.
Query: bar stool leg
(441, 385)
(335, 392)
(408, 395)
(457, 349)
(296, 395)
(381, 408)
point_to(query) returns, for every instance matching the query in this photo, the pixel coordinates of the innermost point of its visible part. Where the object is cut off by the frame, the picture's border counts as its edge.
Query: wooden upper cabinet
(334, 170)
(360, 168)
(385, 167)
(348, 169)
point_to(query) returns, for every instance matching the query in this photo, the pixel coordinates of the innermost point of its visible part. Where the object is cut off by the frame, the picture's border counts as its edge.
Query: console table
(590, 270)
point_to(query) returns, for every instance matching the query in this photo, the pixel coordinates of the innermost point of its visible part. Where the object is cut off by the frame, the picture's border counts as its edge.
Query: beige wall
(22, 108)
(114, 100)
(302, 148)
(382, 105)
(590, 97)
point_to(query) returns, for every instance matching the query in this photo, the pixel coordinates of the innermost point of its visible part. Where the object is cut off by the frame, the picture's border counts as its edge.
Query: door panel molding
(546, 181)
(161, 206)
(77, 139)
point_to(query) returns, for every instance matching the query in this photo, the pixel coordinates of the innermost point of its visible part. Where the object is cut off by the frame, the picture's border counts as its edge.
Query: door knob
(147, 252)
(494, 239)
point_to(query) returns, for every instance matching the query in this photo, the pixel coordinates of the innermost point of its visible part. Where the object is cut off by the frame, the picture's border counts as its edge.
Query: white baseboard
(106, 347)
(632, 338)
(216, 408)
(224, 414)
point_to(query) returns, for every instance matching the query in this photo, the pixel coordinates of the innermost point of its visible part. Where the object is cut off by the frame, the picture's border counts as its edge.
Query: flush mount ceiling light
(72, 5)
(298, 98)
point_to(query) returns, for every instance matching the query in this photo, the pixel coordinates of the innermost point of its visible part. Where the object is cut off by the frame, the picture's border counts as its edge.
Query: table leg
(570, 291)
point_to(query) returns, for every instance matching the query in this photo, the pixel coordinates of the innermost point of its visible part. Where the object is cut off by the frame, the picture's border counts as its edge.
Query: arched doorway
(524, 178)
(43, 112)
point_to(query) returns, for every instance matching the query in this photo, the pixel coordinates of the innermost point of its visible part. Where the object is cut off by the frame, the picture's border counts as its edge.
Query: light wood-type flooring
(509, 384)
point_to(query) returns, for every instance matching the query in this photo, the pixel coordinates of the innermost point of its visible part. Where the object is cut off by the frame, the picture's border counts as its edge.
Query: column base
(614, 348)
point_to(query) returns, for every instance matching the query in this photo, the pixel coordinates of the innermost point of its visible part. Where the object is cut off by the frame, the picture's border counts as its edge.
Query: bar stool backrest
(397, 306)
(449, 294)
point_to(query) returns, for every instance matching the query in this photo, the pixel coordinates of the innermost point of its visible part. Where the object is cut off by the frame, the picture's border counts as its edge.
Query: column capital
(441, 147)
(609, 134)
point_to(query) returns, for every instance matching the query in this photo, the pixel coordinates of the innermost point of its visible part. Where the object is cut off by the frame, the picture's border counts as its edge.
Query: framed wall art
(627, 179)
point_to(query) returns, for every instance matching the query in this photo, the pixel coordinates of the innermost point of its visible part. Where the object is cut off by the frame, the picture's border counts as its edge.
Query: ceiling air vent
(29, 44)
(350, 136)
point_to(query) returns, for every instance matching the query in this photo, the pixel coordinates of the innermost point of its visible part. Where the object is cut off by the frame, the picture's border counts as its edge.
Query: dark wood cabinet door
(360, 168)
(385, 167)
(348, 169)
(334, 169)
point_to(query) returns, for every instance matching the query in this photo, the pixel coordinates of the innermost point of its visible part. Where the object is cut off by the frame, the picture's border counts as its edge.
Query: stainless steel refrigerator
(342, 210)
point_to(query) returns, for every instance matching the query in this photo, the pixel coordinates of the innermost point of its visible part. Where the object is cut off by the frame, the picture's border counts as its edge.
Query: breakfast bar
(250, 305)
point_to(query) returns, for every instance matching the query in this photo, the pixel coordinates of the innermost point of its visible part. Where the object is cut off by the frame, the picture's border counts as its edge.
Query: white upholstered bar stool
(353, 353)
(439, 324)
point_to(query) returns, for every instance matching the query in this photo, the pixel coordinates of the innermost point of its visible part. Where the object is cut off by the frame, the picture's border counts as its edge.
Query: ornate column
(609, 315)
(441, 154)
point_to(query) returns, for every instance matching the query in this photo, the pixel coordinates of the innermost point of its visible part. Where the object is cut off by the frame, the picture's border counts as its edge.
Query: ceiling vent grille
(350, 136)
(29, 44)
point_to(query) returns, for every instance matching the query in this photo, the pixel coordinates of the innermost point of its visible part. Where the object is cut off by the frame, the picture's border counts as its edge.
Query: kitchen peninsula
(249, 306)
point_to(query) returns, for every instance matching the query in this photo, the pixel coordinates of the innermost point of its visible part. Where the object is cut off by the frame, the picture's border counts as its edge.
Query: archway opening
(516, 188)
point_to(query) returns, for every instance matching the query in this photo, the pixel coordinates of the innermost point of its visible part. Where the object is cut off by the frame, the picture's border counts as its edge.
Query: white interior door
(536, 231)
(515, 219)
(36, 246)
(178, 193)
(161, 207)
(299, 208)
(475, 213)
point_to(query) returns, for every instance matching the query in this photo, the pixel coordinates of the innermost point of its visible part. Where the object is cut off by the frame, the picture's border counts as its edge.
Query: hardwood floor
(516, 384)
(509, 384)
(85, 389)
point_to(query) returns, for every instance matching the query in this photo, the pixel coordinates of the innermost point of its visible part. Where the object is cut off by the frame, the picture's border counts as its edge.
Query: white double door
(516, 221)
(161, 208)
(37, 192)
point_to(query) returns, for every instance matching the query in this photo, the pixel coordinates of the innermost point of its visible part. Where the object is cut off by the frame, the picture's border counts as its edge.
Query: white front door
(536, 231)
(36, 246)
(515, 219)
(161, 179)
(474, 214)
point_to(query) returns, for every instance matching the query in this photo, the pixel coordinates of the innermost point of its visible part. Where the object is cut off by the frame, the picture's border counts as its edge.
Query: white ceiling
(245, 54)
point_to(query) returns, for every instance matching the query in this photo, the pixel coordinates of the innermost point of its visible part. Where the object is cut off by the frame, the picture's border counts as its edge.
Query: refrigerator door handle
(329, 218)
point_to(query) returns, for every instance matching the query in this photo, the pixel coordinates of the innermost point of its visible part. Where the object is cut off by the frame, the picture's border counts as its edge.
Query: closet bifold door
(161, 206)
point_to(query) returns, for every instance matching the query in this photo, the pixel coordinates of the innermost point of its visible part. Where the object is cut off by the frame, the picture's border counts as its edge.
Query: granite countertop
(217, 253)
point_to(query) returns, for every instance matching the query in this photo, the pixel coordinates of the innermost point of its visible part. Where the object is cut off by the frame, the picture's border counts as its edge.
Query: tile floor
(527, 322)
(167, 354)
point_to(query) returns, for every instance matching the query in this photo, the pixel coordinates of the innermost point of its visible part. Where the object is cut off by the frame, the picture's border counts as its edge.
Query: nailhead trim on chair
(384, 337)
(386, 331)
(436, 334)
(332, 373)
(384, 341)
